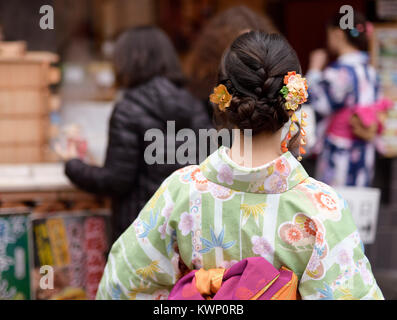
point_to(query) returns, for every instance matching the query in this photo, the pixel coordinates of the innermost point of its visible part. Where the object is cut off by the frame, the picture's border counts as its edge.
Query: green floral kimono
(218, 213)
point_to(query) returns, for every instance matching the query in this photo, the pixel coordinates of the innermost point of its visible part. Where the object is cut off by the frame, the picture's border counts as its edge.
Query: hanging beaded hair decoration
(294, 92)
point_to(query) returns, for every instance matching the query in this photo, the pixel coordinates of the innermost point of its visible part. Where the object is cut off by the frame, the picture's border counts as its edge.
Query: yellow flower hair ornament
(295, 93)
(221, 97)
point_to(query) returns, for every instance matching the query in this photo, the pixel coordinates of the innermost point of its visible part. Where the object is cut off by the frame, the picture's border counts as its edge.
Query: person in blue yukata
(345, 96)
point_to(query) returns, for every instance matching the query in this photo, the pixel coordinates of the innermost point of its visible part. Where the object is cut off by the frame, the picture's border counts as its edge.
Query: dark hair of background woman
(360, 40)
(203, 61)
(145, 52)
(253, 71)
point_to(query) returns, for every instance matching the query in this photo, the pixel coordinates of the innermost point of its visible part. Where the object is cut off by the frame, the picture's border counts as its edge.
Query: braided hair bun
(253, 70)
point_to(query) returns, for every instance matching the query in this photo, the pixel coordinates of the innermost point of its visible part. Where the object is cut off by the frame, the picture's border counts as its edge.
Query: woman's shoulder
(320, 200)
(186, 175)
(313, 184)
(317, 207)
(178, 179)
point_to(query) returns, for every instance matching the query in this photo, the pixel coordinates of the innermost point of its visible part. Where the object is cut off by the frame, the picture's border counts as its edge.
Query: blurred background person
(148, 72)
(76, 104)
(343, 94)
(203, 60)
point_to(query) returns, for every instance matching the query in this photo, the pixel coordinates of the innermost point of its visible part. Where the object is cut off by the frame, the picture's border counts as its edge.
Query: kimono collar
(277, 176)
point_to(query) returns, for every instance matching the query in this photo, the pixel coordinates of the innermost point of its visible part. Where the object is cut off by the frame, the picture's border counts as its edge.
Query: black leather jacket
(125, 176)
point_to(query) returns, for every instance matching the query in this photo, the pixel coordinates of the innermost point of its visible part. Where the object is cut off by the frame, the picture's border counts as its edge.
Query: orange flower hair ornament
(295, 93)
(221, 97)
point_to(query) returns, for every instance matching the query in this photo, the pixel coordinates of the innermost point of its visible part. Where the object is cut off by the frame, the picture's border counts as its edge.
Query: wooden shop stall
(26, 102)
(51, 231)
(53, 237)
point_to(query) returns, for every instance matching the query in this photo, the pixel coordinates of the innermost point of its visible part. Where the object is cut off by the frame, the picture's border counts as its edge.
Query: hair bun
(254, 68)
(261, 72)
(246, 108)
(258, 91)
(258, 115)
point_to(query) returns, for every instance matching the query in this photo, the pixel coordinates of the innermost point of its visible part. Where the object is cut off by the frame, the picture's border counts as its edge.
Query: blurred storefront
(76, 99)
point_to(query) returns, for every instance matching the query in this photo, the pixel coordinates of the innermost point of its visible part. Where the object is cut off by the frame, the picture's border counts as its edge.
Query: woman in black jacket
(148, 70)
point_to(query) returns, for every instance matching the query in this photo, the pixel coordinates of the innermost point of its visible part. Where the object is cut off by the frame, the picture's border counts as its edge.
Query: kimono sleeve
(330, 89)
(338, 268)
(141, 263)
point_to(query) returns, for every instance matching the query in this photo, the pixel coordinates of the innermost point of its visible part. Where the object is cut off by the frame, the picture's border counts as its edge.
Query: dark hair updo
(253, 71)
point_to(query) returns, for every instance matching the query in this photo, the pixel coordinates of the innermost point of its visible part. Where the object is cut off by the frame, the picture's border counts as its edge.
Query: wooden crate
(27, 74)
(41, 56)
(23, 130)
(12, 49)
(24, 102)
(33, 70)
(21, 153)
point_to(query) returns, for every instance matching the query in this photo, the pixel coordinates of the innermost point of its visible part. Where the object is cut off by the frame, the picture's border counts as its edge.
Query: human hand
(318, 59)
(66, 154)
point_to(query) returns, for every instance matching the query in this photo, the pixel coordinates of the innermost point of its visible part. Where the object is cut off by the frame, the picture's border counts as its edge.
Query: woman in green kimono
(254, 199)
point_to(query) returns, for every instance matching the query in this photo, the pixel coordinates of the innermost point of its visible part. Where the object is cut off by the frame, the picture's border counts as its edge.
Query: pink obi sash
(250, 279)
(340, 122)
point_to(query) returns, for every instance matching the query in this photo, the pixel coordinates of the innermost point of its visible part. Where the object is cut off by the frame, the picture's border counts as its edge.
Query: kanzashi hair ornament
(368, 28)
(354, 32)
(295, 93)
(302, 141)
(221, 97)
(360, 28)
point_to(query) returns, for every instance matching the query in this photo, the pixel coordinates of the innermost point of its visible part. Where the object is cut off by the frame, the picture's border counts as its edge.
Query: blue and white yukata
(346, 83)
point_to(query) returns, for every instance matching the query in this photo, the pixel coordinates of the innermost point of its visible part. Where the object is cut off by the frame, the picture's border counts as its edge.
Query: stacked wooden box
(25, 102)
